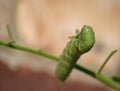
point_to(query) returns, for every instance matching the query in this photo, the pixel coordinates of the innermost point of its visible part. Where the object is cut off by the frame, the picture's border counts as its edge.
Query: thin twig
(10, 34)
(106, 60)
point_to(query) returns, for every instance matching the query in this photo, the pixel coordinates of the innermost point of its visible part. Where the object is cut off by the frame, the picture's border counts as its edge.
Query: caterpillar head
(87, 39)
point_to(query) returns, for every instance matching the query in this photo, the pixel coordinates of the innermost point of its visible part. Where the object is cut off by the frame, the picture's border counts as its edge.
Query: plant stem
(93, 74)
(108, 81)
(85, 70)
(10, 33)
(106, 60)
(39, 52)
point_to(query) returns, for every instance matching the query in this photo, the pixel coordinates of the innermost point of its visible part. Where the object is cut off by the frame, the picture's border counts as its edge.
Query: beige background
(46, 25)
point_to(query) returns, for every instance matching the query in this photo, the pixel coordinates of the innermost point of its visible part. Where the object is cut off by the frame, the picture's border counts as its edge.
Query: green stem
(108, 81)
(106, 60)
(85, 70)
(10, 33)
(19, 47)
(103, 79)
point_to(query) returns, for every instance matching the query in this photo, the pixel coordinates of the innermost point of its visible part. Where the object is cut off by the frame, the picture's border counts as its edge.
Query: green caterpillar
(79, 44)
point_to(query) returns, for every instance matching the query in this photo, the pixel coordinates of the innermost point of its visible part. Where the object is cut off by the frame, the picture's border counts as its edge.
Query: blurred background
(46, 25)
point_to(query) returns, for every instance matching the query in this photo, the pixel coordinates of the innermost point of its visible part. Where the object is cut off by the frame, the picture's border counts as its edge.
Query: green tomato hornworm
(79, 44)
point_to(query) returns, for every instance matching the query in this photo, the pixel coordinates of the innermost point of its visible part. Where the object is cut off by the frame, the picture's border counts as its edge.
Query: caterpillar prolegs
(79, 44)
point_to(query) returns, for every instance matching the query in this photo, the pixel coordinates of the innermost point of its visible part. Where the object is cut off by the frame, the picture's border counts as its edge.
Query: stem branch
(106, 60)
(10, 34)
(39, 52)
